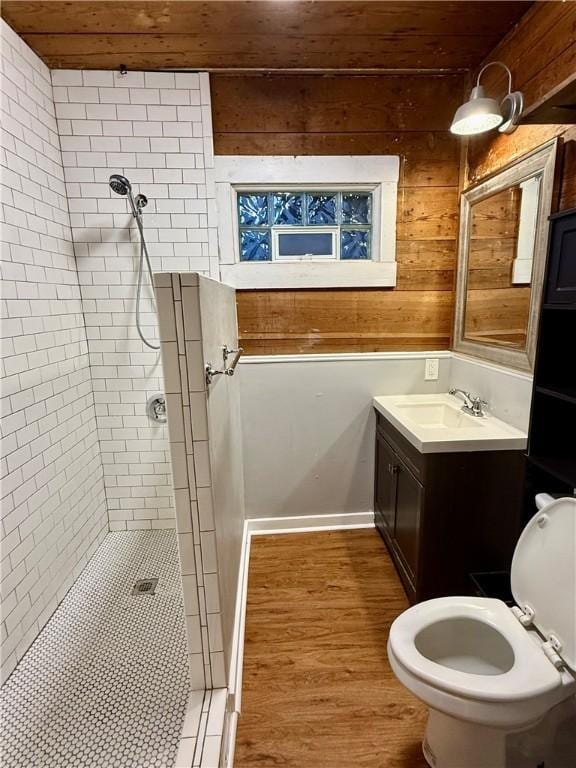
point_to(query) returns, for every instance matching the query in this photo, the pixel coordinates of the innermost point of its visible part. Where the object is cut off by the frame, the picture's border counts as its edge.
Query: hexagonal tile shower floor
(106, 682)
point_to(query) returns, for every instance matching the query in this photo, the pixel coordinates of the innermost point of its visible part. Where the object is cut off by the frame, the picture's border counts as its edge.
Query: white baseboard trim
(309, 523)
(260, 527)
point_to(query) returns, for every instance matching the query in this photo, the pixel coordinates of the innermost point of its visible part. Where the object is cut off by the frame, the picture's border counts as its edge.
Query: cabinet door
(407, 525)
(561, 287)
(385, 486)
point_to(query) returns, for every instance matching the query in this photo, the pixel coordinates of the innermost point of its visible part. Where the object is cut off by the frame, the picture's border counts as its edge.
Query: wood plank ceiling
(254, 35)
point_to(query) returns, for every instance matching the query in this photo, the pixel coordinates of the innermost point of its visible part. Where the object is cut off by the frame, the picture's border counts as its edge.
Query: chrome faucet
(472, 405)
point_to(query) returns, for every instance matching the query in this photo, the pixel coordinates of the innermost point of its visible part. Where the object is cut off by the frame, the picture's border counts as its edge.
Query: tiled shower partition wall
(53, 505)
(197, 317)
(155, 128)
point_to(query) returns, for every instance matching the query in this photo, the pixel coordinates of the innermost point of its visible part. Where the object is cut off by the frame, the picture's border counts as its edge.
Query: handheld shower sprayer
(121, 186)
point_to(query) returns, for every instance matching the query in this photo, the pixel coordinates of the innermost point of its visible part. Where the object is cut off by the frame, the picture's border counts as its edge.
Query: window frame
(372, 227)
(277, 230)
(377, 175)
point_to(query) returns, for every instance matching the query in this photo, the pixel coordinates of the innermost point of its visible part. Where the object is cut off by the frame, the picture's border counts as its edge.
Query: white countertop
(437, 424)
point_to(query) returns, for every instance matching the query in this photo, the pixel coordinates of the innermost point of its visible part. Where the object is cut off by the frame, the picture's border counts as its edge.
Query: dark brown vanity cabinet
(444, 516)
(398, 500)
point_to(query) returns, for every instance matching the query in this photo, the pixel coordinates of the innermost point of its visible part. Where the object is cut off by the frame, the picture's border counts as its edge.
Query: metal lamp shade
(477, 115)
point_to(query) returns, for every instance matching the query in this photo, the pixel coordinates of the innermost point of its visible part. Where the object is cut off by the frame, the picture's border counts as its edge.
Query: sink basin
(439, 416)
(437, 424)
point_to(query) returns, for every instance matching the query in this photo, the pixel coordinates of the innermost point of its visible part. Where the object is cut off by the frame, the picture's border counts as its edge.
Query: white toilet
(485, 670)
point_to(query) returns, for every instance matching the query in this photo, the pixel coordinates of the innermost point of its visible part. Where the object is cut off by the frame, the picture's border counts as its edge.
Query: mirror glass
(502, 240)
(501, 259)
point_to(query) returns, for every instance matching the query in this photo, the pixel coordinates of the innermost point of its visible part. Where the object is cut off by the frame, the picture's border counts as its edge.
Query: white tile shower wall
(53, 505)
(219, 327)
(183, 360)
(155, 128)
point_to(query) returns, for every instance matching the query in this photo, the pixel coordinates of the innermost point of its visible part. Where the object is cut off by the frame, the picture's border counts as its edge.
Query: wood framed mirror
(501, 260)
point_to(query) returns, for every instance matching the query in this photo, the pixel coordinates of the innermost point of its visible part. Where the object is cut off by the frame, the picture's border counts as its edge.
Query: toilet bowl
(485, 670)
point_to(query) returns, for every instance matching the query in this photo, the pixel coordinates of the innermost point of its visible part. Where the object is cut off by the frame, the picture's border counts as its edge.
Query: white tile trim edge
(261, 527)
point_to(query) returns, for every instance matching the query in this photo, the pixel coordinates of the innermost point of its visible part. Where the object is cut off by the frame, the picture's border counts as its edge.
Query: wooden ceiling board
(250, 34)
(247, 52)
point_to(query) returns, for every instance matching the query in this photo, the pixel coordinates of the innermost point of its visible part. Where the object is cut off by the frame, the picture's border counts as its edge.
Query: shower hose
(144, 257)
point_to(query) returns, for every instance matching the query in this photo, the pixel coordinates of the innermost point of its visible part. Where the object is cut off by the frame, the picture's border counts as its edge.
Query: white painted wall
(53, 505)
(308, 427)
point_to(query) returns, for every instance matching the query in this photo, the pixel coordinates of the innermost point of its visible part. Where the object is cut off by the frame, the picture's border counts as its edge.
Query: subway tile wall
(155, 128)
(183, 341)
(53, 502)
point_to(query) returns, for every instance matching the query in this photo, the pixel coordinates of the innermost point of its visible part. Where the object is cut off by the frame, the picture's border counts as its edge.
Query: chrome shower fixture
(121, 186)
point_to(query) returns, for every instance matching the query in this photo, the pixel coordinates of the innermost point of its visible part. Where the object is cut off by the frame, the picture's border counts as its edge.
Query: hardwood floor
(318, 691)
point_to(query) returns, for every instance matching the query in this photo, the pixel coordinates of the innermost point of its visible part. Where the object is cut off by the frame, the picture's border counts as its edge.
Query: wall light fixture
(482, 113)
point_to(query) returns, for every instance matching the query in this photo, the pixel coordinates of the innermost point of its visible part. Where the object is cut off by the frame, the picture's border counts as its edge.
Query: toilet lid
(543, 573)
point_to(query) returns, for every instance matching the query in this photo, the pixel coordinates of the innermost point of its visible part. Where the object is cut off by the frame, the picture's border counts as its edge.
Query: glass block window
(288, 208)
(293, 225)
(322, 209)
(355, 244)
(255, 245)
(253, 210)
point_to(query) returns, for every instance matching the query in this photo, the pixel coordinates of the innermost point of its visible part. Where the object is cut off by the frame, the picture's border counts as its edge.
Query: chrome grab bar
(211, 373)
(228, 370)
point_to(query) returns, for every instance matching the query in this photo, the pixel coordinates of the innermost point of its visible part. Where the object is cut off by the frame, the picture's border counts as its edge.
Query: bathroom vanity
(448, 492)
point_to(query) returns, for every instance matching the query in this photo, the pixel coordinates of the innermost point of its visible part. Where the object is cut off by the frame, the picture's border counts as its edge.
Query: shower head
(120, 184)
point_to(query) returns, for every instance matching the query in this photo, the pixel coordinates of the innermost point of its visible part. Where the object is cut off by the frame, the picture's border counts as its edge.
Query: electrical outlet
(431, 369)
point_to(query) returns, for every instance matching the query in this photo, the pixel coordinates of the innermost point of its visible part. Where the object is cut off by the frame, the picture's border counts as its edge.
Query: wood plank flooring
(318, 691)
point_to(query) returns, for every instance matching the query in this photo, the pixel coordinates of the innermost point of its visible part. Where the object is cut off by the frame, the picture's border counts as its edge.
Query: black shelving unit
(551, 459)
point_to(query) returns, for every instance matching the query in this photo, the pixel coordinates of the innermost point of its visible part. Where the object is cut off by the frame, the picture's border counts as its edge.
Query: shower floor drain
(145, 587)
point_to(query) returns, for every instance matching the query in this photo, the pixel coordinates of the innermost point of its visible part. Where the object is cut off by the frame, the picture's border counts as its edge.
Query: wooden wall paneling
(428, 158)
(334, 104)
(298, 115)
(541, 52)
(367, 320)
(427, 213)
